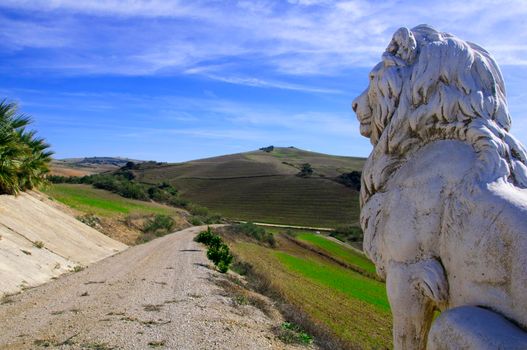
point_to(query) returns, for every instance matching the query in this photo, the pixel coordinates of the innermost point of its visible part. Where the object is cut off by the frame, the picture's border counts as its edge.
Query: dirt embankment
(39, 242)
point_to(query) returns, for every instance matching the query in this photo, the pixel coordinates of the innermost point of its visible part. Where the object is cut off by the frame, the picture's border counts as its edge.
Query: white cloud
(302, 37)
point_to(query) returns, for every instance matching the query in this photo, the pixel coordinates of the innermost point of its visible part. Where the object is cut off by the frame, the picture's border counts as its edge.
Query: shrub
(77, 268)
(204, 236)
(256, 232)
(348, 234)
(198, 210)
(159, 225)
(38, 244)
(219, 254)
(292, 333)
(196, 221)
(90, 220)
(241, 267)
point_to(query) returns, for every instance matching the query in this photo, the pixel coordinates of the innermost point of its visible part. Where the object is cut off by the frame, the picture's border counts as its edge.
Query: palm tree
(24, 158)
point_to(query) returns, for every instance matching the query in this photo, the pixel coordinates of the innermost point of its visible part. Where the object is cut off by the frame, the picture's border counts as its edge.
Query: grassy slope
(87, 199)
(261, 186)
(337, 251)
(351, 305)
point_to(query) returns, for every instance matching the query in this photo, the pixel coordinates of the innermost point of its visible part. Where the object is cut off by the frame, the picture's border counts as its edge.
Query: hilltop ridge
(265, 186)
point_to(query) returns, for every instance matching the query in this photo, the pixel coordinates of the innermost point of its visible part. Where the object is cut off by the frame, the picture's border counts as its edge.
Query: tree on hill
(24, 158)
(306, 170)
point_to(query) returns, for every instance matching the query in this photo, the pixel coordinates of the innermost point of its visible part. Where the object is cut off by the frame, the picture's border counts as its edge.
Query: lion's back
(485, 250)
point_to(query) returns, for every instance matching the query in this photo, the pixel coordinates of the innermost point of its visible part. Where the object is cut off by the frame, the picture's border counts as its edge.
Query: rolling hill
(88, 165)
(263, 186)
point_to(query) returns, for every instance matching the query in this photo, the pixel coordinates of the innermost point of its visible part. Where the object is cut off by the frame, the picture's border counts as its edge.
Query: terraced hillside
(264, 186)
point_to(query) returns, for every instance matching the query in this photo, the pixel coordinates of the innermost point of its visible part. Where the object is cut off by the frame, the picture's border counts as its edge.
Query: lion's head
(431, 86)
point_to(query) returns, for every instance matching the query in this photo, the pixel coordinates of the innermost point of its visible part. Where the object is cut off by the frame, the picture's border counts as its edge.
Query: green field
(348, 282)
(338, 251)
(352, 306)
(87, 199)
(263, 187)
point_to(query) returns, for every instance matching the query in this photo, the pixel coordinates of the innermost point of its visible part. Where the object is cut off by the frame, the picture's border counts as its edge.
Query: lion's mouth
(365, 125)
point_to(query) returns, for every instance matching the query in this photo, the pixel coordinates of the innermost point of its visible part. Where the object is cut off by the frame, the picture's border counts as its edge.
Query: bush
(198, 210)
(291, 333)
(196, 221)
(159, 225)
(241, 267)
(256, 232)
(220, 255)
(205, 217)
(348, 234)
(218, 252)
(90, 220)
(204, 236)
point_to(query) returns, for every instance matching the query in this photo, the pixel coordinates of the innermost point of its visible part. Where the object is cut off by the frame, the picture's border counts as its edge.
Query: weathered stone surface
(474, 328)
(444, 191)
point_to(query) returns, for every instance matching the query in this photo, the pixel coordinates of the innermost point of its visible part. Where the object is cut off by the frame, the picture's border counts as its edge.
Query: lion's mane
(433, 86)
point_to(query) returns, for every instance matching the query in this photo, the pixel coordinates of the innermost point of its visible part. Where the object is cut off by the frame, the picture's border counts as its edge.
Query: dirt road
(160, 294)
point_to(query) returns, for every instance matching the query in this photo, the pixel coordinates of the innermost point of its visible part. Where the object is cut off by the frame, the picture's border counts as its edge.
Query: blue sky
(180, 80)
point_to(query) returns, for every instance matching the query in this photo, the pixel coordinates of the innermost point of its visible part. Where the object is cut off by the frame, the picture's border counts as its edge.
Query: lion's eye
(372, 76)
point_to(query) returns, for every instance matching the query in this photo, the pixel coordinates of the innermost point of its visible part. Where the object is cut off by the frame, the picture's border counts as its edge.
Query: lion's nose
(354, 106)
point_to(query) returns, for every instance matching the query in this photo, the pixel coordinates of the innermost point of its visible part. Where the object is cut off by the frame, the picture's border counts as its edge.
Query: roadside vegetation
(348, 234)
(127, 220)
(291, 333)
(24, 158)
(125, 209)
(122, 183)
(157, 226)
(255, 232)
(218, 252)
(325, 288)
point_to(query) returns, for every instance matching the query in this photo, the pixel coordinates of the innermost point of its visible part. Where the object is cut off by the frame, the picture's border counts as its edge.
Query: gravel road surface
(161, 294)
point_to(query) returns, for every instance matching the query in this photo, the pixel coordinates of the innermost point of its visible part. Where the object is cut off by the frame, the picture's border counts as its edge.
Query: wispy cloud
(142, 8)
(295, 37)
(256, 82)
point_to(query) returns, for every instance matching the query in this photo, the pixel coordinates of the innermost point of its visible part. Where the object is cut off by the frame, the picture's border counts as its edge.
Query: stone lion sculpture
(444, 191)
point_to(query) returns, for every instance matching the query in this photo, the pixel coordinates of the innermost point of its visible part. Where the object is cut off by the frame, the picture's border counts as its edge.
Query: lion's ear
(402, 49)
